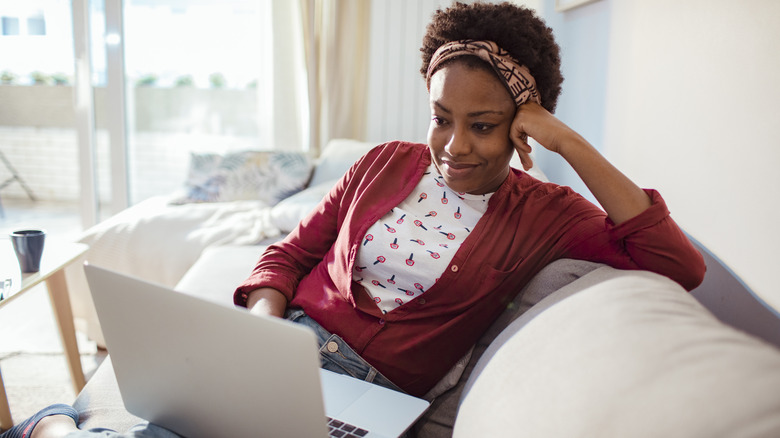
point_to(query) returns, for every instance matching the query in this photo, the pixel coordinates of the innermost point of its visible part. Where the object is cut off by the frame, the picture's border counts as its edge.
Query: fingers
(523, 150)
(532, 120)
(527, 162)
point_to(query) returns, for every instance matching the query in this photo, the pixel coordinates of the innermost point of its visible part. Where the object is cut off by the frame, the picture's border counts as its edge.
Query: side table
(56, 257)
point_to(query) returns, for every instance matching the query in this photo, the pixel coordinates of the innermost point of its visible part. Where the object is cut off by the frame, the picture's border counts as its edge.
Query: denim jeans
(335, 355)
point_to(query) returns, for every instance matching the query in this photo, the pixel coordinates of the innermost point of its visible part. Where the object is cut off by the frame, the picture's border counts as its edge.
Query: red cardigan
(528, 224)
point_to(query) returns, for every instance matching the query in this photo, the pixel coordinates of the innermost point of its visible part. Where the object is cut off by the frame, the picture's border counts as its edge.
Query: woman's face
(471, 113)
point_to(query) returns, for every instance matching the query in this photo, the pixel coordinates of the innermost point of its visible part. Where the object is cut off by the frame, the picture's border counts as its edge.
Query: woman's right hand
(266, 301)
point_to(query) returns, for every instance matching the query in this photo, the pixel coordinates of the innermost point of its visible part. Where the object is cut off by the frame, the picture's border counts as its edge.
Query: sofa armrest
(631, 354)
(438, 420)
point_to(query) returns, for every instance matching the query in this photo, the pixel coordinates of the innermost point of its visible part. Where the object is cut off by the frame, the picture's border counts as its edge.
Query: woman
(418, 248)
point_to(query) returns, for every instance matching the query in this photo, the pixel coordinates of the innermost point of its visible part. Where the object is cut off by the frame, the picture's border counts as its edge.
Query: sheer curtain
(335, 41)
(285, 113)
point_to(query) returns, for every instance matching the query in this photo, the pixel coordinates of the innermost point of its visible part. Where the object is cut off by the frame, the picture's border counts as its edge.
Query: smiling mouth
(454, 170)
(458, 166)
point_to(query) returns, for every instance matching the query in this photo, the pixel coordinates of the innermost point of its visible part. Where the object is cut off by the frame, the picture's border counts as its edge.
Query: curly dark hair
(514, 28)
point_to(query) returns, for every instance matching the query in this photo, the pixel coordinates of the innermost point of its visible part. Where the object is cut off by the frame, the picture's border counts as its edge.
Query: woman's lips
(456, 169)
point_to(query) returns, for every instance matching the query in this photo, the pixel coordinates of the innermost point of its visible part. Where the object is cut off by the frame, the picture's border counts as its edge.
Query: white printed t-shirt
(404, 253)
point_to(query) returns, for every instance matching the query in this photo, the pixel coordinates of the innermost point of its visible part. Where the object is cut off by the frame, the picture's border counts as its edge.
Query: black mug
(28, 245)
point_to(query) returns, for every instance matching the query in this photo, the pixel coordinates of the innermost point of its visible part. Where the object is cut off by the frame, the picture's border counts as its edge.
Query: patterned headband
(516, 77)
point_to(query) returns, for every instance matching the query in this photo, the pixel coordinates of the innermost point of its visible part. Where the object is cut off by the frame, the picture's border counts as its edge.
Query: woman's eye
(482, 127)
(438, 121)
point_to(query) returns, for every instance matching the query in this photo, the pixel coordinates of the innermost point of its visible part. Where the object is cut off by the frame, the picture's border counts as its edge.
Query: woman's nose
(458, 144)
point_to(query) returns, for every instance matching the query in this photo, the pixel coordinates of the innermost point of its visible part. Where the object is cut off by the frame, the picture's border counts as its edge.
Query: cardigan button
(454, 268)
(421, 301)
(381, 322)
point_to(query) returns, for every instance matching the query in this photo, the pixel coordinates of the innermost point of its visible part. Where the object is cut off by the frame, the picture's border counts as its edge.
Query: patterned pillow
(247, 175)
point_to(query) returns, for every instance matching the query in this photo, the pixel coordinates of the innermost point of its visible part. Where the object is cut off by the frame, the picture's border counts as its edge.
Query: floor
(31, 358)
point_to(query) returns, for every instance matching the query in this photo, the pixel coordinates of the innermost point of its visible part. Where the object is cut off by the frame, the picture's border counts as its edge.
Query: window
(198, 77)
(23, 23)
(10, 25)
(36, 25)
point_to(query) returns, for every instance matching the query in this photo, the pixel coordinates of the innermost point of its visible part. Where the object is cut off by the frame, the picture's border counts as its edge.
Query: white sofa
(584, 350)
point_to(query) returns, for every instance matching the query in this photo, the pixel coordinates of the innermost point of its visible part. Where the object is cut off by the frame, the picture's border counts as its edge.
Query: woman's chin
(457, 187)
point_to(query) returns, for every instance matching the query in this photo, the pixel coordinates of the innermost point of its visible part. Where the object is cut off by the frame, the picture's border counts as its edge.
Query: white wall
(691, 108)
(584, 35)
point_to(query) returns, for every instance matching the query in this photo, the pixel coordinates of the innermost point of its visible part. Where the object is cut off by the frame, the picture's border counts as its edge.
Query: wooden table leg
(60, 301)
(5, 411)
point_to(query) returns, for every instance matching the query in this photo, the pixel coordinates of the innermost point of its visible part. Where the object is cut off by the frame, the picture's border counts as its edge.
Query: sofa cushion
(99, 403)
(630, 355)
(268, 176)
(337, 157)
(219, 271)
(286, 214)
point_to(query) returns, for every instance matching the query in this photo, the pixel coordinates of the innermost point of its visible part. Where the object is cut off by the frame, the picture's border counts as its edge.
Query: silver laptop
(202, 369)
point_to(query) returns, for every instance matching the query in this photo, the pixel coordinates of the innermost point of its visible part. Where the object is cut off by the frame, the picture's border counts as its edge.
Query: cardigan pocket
(495, 278)
(486, 281)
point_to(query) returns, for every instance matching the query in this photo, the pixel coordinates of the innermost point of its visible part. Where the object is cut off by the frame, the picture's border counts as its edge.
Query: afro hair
(514, 28)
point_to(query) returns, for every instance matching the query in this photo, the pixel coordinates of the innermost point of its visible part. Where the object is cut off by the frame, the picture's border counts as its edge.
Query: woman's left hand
(532, 120)
(618, 195)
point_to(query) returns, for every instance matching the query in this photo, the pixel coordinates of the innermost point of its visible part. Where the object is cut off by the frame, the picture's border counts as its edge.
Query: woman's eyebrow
(484, 113)
(441, 107)
(471, 114)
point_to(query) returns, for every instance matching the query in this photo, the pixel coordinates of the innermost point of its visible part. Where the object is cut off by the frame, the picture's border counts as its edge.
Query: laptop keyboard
(340, 429)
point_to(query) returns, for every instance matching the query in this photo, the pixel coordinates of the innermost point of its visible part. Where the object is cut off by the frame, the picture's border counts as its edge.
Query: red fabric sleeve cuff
(657, 212)
(256, 281)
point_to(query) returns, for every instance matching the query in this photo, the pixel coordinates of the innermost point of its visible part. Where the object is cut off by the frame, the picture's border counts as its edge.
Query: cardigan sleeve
(650, 241)
(284, 263)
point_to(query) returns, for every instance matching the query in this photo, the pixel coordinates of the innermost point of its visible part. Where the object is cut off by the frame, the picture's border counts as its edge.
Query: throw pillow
(267, 176)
